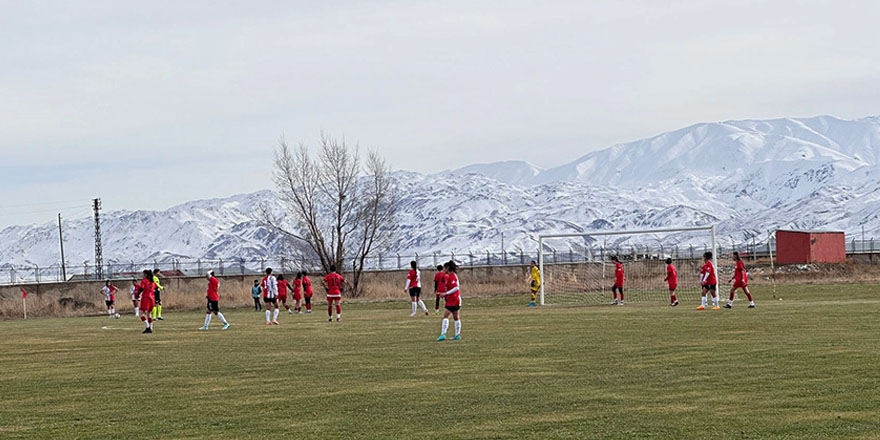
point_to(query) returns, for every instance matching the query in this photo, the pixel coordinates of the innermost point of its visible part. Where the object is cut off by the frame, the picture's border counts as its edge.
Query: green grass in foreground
(805, 367)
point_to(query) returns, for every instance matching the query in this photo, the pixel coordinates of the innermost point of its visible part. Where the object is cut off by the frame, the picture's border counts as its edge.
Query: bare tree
(340, 208)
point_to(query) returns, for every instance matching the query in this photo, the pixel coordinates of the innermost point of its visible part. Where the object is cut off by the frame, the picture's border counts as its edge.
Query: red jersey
(307, 286)
(297, 286)
(283, 285)
(146, 288)
(707, 274)
(413, 279)
(671, 276)
(619, 276)
(334, 284)
(213, 289)
(440, 282)
(109, 292)
(740, 276)
(453, 293)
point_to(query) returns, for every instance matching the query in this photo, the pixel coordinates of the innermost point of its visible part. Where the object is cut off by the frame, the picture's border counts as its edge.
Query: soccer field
(805, 367)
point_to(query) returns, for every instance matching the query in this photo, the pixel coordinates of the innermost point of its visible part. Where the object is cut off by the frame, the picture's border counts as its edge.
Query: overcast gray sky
(149, 104)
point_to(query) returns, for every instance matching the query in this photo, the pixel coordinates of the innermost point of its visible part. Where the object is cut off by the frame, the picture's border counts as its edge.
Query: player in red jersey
(452, 297)
(145, 290)
(709, 282)
(270, 296)
(740, 280)
(414, 288)
(439, 286)
(297, 292)
(307, 291)
(109, 292)
(283, 287)
(672, 281)
(213, 297)
(334, 284)
(619, 279)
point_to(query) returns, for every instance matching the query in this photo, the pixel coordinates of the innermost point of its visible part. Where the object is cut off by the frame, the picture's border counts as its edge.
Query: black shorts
(616, 289)
(710, 287)
(109, 303)
(270, 300)
(213, 306)
(415, 291)
(453, 308)
(158, 296)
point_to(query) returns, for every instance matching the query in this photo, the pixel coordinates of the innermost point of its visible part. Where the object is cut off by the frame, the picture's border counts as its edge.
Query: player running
(270, 296)
(297, 293)
(709, 282)
(334, 284)
(619, 279)
(414, 288)
(439, 287)
(307, 291)
(134, 297)
(157, 311)
(452, 297)
(283, 288)
(740, 281)
(534, 281)
(671, 280)
(255, 292)
(213, 297)
(145, 290)
(109, 292)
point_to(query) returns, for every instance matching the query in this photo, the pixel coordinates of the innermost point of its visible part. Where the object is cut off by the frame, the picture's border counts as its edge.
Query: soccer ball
(116, 316)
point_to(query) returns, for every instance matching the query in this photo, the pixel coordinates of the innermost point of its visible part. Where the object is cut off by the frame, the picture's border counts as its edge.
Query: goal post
(585, 280)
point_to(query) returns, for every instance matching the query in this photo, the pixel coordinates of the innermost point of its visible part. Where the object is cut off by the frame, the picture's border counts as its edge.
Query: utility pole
(61, 241)
(503, 254)
(99, 252)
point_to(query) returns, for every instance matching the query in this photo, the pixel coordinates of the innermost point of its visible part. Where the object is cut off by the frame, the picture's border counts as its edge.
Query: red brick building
(801, 247)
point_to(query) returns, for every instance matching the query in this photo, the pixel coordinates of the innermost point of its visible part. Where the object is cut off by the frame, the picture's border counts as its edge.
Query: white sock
(147, 324)
(458, 327)
(422, 305)
(276, 314)
(137, 312)
(110, 312)
(715, 300)
(222, 318)
(268, 315)
(444, 326)
(207, 319)
(339, 316)
(414, 305)
(704, 301)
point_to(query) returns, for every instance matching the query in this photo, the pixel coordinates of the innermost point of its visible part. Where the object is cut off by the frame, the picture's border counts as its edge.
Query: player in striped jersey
(109, 292)
(414, 288)
(270, 297)
(452, 296)
(740, 280)
(134, 298)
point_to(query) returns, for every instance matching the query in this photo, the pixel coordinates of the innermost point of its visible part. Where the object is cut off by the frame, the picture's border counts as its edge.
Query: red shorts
(146, 304)
(672, 287)
(297, 296)
(309, 294)
(740, 285)
(282, 298)
(334, 297)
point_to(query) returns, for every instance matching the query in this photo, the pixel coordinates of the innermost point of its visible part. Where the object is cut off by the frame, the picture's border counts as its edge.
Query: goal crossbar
(541, 239)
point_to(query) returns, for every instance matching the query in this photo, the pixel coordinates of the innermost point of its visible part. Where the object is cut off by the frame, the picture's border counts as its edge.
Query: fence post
(554, 256)
(488, 258)
(398, 261)
(471, 254)
(452, 256)
(199, 266)
(417, 258)
(221, 266)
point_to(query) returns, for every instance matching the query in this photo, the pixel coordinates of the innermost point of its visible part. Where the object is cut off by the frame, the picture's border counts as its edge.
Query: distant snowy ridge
(746, 176)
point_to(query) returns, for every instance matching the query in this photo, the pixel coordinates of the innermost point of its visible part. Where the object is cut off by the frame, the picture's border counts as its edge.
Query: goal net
(578, 268)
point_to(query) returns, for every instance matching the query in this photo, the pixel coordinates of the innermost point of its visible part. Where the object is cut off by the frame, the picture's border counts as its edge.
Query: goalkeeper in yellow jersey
(157, 310)
(534, 281)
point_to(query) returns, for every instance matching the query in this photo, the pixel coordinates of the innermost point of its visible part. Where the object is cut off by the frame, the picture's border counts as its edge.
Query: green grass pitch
(804, 367)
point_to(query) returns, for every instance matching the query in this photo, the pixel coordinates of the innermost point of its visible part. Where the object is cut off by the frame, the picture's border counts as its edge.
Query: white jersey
(271, 287)
(107, 293)
(133, 292)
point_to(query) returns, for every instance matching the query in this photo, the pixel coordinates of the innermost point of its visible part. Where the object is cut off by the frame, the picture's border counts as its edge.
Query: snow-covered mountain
(746, 176)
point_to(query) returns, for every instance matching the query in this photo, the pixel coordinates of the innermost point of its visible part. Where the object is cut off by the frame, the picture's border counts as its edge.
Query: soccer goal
(577, 268)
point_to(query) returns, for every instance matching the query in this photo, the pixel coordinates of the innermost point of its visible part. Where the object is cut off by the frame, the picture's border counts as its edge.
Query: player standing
(333, 284)
(213, 297)
(283, 287)
(672, 280)
(414, 288)
(439, 287)
(740, 281)
(297, 293)
(307, 291)
(109, 292)
(255, 292)
(619, 279)
(134, 297)
(270, 296)
(145, 290)
(709, 282)
(534, 281)
(157, 310)
(452, 297)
